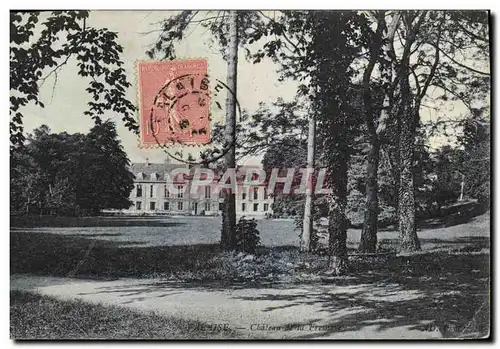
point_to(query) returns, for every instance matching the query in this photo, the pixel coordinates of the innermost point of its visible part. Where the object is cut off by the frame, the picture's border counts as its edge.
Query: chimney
(147, 162)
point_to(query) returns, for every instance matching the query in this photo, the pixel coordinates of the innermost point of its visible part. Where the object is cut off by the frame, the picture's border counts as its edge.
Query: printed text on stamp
(174, 102)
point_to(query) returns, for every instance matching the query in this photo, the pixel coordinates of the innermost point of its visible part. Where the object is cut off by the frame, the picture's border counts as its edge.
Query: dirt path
(319, 311)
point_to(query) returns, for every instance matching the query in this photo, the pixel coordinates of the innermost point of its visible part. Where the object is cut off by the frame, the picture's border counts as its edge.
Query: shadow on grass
(442, 294)
(59, 255)
(82, 222)
(456, 214)
(445, 294)
(445, 291)
(460, 244)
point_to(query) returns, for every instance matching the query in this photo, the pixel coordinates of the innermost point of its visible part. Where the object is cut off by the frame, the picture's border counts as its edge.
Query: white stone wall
(247, 204)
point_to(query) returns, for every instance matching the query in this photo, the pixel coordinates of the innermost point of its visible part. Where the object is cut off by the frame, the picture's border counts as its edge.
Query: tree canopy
(71, 174)
(41, 44)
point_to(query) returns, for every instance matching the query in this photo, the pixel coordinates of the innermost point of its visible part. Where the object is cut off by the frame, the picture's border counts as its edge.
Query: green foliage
(247, 235)
(476, 165)
(64, 36)
(279, 130)
(70, 174)
(285, 206)
(355, 207)
(448, 176)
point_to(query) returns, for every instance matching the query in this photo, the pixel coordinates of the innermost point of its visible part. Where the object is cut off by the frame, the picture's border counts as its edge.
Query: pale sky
(66, 101)
(64, 110)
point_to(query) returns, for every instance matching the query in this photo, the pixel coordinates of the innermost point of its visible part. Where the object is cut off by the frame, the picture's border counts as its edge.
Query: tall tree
(332, 38)
(63, 173)
(405, 76)
(316, 49)
(307, 225)
(398, 115)
(407, 124)
(228, 29)
(437, 48)
(228, 233)
(368, 242)
(105, 158)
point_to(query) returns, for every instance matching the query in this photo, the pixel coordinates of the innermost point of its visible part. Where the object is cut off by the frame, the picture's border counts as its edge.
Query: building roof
(148, 168)
(161, 169)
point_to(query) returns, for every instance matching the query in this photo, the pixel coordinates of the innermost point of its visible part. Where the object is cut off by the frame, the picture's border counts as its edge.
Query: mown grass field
(146, 247)
(152, 231)
(452, 272)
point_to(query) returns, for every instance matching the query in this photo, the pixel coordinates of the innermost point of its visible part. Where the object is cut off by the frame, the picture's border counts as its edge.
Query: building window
(221, 206)
(139, 191)
(207, 192)
(180, 206)
(138, 205)
(243, 196)
(221, 194)
(255, 207)
(151, 191)
(180, 191)
(256, 193)
(152, 206)
(266, 207)
(166, 193)
(166, 206)
(207, 206)
(265, 193)
(243, 207)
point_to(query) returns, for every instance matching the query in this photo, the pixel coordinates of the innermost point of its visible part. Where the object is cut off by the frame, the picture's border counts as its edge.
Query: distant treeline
(442, 177)
(70, 174)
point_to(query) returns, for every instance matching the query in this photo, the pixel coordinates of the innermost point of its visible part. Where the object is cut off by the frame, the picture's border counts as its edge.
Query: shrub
(247, 235)
(314, 242)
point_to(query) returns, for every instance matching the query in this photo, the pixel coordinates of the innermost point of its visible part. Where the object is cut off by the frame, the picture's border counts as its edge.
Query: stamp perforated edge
(140, 145)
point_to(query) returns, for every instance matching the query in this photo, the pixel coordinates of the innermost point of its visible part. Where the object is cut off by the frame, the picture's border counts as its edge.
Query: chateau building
(151, 194)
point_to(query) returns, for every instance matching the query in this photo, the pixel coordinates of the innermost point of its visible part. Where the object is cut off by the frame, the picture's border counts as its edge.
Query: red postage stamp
(174, 102)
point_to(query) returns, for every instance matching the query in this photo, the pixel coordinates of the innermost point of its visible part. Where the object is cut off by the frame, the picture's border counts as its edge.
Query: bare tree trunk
(406, 195)
(368, 242)
(337, 160)
(408, 115)
(331, 78)
(228, 241)
(307, 226)
(337, 225)
(390, 105)
(392, 151)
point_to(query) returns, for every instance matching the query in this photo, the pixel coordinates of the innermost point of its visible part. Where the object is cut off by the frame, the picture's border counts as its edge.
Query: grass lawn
(33, 316)
(98, 254)
(133, 231)
(451, 274)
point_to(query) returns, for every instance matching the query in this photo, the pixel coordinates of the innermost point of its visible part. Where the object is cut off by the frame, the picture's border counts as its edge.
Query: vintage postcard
(253, 174)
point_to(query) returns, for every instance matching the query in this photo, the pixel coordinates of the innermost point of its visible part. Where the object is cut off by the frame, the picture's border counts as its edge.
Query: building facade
(151, 193)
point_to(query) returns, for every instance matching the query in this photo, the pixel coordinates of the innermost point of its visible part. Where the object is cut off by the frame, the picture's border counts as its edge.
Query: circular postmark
(190, 110)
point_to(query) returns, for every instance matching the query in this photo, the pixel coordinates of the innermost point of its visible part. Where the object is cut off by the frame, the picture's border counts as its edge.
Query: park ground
(165, 278)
